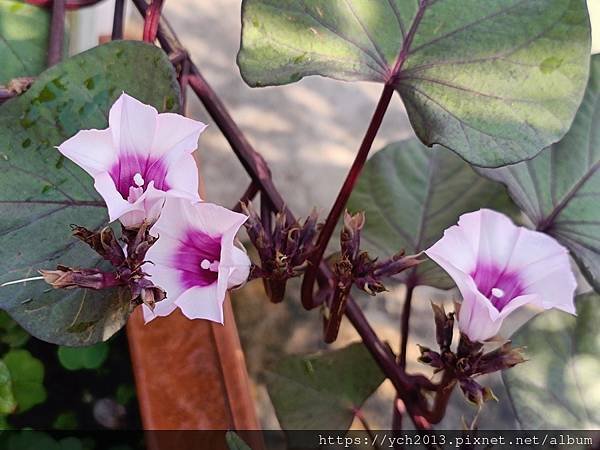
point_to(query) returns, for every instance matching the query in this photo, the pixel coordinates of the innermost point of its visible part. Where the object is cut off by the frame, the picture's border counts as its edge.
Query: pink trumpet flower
(142, 158)
(195, 259)
(499, 267)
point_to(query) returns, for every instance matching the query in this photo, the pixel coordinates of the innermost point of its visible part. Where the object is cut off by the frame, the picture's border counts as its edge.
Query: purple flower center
(136, 171)
(497, 284)
(197, 259)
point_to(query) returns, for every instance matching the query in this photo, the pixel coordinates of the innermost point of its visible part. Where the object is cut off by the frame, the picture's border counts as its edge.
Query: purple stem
(69, 4)
(247, 197)
(152, 20)
(117, 29)
(57, 32)
(340, 202)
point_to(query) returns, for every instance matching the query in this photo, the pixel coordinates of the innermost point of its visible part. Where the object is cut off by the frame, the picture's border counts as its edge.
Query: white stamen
(138, 180)
(23, 280)
(207, 265)
(497, 292)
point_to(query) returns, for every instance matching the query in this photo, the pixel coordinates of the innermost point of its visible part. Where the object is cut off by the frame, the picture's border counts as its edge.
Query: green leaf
(30, 439)
(559, 388)
(411, 194)
(27, 374)
(11, 333)
(23, 35)
(7, 399)
(65, 421)
(70, 443)
(235, 442)
(125, 393)
(494, 80)
(559, 190)
(41, 193)
(321, 391)
(75, 358)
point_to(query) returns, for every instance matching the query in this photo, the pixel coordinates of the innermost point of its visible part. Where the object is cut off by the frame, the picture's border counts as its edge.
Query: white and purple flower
(498, 267)
(142, 158)
(196, 259)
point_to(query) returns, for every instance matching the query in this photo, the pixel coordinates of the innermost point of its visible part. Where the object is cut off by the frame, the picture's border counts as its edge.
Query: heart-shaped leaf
(411, 194)
(321, 391)
(41, 193)
(558, 387)
(23, 36)
(494, 80)
(27, 376)
(559, 190)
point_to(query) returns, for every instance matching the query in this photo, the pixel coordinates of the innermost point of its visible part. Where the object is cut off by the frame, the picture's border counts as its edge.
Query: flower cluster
(178, 250)
(356, 267)
(283, 249)
(468, 361)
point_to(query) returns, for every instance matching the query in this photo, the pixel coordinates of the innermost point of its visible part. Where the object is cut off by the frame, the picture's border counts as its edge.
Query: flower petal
(457, 245)
(161, 309)
(133, 125)
(202, 303)
(147, 207)
(92, 150)
(175, 136)
(545, 269)
(182, 178)
(117, 206)
(164, 277)
(239, 267)
(474, 319)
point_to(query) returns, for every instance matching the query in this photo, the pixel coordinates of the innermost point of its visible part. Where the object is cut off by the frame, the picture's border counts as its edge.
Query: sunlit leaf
(411, 194)
(27, 375)
(41, 193)
(23, 39)
(559, 190)
(494, 80)
(559, 388)
(321, 391)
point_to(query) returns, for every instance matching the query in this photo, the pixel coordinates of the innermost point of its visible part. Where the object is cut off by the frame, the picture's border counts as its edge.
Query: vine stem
(57, 32)
(340, 202)
(396, 412)
(246, 197)
(117, 29)
(152, 20)
(442, 396)
(359, 161)
(404, 328)
(363, 420)
(69, 4)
